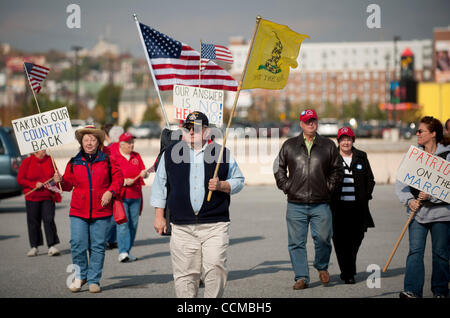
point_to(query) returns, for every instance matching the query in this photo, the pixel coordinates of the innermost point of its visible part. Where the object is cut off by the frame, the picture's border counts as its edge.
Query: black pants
(348, 233)
(37, 212)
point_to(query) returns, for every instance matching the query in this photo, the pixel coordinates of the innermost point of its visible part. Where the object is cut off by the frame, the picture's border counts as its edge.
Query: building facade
(341, 72)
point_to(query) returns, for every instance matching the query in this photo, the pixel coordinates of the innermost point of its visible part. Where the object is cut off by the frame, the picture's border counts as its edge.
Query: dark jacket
(178, 187)
(312, 179)
(364, 183)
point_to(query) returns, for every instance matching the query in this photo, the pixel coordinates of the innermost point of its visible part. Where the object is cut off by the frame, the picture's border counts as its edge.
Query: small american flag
(215, 52)
(174, 62)
(36, 74)
(52, 187)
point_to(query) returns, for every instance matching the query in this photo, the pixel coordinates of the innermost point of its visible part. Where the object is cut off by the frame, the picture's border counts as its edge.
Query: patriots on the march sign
(187, 99)
(426, 172)
(44, 130)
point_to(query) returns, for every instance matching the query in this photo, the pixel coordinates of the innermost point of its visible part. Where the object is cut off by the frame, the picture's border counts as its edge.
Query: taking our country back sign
(426, 172)
(44, 130)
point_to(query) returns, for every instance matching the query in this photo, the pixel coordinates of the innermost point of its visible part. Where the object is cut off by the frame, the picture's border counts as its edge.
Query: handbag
(119, 212)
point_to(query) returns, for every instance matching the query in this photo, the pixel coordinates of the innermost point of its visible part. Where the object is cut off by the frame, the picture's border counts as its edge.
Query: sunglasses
(419, 131)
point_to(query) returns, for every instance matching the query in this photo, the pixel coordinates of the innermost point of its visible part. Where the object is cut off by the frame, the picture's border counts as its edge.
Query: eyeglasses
(419, 131)
(192, 127)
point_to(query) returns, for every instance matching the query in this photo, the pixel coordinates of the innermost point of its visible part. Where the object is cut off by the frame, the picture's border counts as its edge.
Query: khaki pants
(198, 247)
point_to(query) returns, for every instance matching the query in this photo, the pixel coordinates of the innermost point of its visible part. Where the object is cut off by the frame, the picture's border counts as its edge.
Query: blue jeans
(89, 237)
(415, 268)
(126, 232)
(298, 217)
(111, 236)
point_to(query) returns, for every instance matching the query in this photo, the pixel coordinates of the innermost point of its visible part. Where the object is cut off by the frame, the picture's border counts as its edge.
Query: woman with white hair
(133, 171)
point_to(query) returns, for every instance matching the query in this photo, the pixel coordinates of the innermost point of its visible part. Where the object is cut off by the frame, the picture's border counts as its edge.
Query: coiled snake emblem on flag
(272, 63)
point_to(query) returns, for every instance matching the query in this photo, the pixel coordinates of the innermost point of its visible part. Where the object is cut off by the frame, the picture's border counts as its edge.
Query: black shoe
(407, 294)
(439, 296)
(350, 280)
(110, 246)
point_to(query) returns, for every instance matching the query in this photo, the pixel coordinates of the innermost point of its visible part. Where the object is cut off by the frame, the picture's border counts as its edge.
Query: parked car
(408, 131)
(328, 127)
(295, 130)
(364, 130)
(10, 160)
(147, 129)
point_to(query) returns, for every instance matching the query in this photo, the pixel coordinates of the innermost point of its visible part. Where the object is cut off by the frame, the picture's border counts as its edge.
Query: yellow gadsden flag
(275, 50)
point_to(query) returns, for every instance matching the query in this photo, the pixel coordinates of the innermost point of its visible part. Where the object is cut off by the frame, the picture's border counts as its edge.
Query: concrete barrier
(256, 156)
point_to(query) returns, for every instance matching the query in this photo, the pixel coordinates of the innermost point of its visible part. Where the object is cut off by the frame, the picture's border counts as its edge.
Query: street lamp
(77, 77)
(396, 38)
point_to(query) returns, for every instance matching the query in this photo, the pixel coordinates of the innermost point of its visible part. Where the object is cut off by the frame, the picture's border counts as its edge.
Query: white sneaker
(32, 252)
(76, 285)
(53, 251)
(132, 258)
(94, 288)
(123, 257)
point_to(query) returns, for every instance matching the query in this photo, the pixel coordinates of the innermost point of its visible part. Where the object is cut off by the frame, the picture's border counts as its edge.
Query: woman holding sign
(94, 179)
(34, 175)
(431, 214)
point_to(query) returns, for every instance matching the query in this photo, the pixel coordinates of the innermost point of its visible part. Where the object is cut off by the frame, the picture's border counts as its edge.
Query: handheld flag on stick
(273, 50)
(215, 52)
(36, 74)
(174, 62)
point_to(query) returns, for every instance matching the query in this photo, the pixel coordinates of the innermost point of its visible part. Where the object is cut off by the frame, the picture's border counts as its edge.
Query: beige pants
(196, 247)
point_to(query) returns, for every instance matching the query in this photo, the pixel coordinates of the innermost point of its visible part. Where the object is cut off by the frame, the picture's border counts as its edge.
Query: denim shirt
(196, 180)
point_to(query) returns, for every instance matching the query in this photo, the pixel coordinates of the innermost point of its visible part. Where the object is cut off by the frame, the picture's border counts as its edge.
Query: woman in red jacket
(33, 173)
(94, 179)
(133, 170)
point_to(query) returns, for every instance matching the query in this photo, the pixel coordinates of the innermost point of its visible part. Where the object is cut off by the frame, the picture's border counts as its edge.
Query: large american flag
(36, 74)
(174, 62)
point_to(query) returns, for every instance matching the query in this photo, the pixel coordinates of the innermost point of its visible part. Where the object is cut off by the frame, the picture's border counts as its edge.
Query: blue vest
(178, 190)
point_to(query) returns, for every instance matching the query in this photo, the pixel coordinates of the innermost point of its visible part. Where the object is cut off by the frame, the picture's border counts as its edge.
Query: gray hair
(115, 133)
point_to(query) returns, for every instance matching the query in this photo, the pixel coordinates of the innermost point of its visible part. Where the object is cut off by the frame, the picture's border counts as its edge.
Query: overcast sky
(40, 25)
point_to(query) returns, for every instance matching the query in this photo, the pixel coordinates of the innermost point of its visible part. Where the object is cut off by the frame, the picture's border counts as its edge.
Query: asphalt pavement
(258, 259)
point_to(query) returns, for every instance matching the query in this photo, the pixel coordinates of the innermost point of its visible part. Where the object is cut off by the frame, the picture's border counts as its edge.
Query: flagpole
(151, 71)
(200, 67)
(258, 19)
(39, 109)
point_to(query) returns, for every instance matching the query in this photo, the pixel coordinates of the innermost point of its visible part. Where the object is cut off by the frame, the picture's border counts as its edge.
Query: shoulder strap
(109, 168)
(71, 164)
(444, 154)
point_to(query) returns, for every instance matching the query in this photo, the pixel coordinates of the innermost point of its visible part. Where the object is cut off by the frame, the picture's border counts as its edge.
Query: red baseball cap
(307, 114)
(345, 131)
(126, 137)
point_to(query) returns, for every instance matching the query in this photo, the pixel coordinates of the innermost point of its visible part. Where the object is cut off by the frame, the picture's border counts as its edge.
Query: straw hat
(92, 130)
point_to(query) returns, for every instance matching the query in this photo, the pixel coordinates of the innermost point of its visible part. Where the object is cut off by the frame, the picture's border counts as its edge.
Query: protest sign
(426, 172)
(187, 99)
(43, 130)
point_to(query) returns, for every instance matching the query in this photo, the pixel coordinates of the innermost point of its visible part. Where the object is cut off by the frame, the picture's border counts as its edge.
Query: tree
(374, 112)
(108, 98)
(127, 124)
(330, 111)
(352, 110)
(151, 113)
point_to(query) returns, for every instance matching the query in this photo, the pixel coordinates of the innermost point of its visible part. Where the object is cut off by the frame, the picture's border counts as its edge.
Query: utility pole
(110, 88)
(396, 38)
(77, 79)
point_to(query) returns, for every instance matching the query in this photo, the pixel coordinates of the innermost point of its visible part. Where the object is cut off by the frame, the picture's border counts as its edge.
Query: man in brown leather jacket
(308, 169)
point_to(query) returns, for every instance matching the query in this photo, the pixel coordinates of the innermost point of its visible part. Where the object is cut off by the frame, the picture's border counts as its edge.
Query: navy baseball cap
(196, 118)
